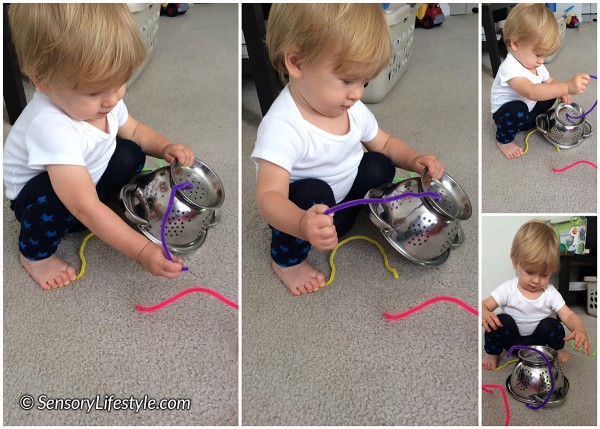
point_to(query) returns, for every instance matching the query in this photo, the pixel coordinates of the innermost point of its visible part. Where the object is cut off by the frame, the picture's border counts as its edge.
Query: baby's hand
(490, 321)
(578, 83)
(567, 99)
(434, 167)
(318, 228)
(581, 339)
(154, 261)
(181, 152)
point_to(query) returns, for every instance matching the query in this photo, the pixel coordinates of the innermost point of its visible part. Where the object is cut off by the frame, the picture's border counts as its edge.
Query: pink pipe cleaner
(487, 388)
(581, 161)
(429, 302)
(171, 300)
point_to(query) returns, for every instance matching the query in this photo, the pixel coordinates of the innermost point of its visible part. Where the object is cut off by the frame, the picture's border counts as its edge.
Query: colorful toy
(429, 15)
(572, 21)
(173, 9)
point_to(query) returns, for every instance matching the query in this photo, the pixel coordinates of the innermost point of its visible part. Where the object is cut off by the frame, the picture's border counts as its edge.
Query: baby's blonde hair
(91, 46)
(359, 33)
(532, 23)
(536, 245)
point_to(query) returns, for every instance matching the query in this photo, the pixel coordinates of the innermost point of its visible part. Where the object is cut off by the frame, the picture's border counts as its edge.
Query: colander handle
(216, 218)
(589, 124)
(125, 199)
(379, 223)
(459, 239)
(560, 395)
(540, 120)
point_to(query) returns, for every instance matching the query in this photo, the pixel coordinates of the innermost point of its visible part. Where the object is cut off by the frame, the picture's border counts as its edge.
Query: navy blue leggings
(549, 332)
(43, 217)
(375, 169)
(515, 116)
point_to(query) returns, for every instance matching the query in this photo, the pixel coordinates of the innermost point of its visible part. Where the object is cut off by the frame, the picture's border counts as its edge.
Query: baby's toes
(312, 285)
(71, 273)
(301, 289)
(320, 278)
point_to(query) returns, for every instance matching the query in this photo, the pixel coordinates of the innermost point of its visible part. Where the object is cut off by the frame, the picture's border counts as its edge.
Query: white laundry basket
(146, 17)
(402, 26)
(592, 295)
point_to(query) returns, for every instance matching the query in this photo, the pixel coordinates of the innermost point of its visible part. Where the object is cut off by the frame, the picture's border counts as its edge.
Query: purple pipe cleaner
(535, 407)
(163, 225)
(569, 117)
(347, 204)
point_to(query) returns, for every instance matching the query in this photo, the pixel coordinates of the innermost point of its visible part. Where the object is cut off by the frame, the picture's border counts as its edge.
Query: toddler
(75, 145)
(523, 88)
(309, 149)
(528, 301)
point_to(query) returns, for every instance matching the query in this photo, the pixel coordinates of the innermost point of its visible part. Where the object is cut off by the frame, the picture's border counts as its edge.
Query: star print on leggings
(46, 218)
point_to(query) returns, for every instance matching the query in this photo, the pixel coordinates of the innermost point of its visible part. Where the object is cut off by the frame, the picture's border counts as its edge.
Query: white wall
(497, 233)
(578, 9)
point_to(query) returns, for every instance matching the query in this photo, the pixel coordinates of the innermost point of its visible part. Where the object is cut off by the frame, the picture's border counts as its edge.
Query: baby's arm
(155, 144)
(74, 186)
(489, 320)
(550, 88)
(272, 199)
(404, 156)
(575, 325)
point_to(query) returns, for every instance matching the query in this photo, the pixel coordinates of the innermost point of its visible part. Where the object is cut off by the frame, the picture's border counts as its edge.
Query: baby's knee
(551, 324)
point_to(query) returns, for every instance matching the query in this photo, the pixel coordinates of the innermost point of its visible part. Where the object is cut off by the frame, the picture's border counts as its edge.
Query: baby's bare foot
(49, 273)
(301, 278)
(510, 150)
(562, 356)
(490, 361)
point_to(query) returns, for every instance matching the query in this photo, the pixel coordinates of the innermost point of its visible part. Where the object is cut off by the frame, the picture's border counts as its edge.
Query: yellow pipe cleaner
(83, 263)
(358, 237)
(507, 363)
(527, 145)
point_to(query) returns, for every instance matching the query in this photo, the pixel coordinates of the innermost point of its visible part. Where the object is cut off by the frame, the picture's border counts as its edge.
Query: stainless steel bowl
(530, 380)
(560, 129)
(145, 201)
(416, 227)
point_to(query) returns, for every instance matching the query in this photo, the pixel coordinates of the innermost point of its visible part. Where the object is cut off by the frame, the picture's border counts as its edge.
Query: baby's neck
(338, 125)
(529, 294)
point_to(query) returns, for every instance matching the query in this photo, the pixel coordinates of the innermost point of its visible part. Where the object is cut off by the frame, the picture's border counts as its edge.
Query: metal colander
(207, 190)
(566, 113)
(146, 198)
(564, 131)
(412, 227)
(530, 380)
(454, 202)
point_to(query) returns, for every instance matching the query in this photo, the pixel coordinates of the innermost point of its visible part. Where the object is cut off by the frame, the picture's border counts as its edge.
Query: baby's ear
(43, 88)
(292, 64)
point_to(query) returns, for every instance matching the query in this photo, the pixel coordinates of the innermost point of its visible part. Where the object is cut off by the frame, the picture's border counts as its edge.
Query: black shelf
(586, 264)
